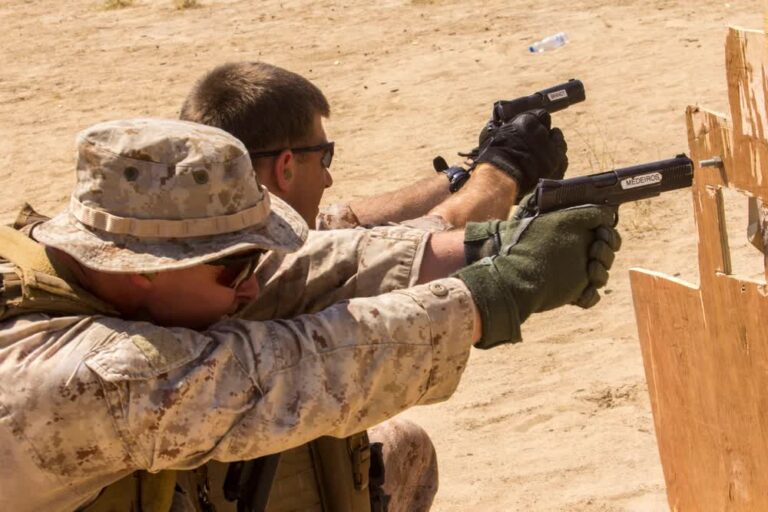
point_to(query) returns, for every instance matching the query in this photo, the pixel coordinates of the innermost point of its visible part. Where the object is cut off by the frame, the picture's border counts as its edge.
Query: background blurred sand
(559, 422)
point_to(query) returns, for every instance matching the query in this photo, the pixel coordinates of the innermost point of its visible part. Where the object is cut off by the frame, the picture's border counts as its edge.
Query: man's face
(197, 297)
(310, 178)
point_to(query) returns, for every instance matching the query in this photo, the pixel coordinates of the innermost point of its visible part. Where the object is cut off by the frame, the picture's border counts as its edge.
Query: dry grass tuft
(186, 4)
(598, 148)
(598, 152)
(117, 4)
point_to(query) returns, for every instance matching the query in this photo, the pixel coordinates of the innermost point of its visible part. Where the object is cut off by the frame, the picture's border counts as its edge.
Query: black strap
(376, 475)
(456, 175)
(250, 482)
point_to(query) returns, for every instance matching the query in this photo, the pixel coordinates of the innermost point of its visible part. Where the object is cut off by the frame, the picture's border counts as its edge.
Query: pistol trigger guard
(615, 219)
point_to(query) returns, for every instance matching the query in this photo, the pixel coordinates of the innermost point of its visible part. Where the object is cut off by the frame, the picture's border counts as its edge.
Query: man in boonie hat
(163, 195)
(116, 355)
(156, 196)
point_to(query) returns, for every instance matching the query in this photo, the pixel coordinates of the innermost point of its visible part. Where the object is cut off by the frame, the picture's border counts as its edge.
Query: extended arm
(413, 200)
(343, 264)
(338, 265)
(489, 194)
(265, 386)
(509, 164)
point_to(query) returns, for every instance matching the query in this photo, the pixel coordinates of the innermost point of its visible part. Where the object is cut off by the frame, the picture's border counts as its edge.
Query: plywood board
(747, 67)
(705, 347)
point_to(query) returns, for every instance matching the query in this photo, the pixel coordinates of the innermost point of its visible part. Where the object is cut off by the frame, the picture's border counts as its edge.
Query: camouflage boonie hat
(155, 194)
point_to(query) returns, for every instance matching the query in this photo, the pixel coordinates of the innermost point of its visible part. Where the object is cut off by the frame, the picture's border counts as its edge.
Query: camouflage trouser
(410, 465)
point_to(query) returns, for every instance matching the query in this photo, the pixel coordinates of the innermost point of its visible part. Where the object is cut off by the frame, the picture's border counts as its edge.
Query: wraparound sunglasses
(326, 147)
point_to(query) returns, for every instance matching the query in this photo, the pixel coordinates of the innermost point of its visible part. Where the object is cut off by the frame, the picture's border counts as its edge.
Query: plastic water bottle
(549, 43)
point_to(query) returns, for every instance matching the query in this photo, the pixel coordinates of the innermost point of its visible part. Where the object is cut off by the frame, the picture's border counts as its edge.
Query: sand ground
(561, 422)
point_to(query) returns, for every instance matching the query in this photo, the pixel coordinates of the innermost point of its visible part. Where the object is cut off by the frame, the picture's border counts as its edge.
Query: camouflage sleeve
(336, 216)
(341, 216)
(337, 265)
(244, 389)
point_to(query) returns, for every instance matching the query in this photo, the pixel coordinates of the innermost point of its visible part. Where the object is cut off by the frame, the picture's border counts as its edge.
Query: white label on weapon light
(643, 180)
(557, 95)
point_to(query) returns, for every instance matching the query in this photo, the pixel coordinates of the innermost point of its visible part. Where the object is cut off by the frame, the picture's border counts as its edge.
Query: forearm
(488, 194)
(444, 255)
(343, 264)
(337, 265)
(408, 202)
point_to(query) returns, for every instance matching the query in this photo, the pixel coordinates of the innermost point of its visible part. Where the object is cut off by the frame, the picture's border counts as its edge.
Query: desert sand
(560, 422)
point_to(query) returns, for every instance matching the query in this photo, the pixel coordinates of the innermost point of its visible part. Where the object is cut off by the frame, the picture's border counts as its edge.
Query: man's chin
(311, 218)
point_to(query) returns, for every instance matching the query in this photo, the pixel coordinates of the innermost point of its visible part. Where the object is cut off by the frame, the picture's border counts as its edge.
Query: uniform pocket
(143, 351)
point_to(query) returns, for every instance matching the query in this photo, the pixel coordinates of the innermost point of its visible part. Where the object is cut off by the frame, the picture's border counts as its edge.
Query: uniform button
(438, 289)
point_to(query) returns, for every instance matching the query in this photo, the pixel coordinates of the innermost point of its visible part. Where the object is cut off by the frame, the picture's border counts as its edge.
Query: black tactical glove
(527, 148)
(544, 262)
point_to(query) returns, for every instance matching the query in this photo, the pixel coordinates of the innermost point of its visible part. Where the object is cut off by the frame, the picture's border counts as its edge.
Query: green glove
(483, 239)
(542, 263)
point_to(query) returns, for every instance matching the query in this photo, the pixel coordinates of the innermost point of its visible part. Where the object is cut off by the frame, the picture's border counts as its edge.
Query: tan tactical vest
(326, 475)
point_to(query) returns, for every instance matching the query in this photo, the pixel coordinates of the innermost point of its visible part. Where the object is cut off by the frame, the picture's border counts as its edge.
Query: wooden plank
(705, 348)
(746, 66)
(706, 366)
(709, 136)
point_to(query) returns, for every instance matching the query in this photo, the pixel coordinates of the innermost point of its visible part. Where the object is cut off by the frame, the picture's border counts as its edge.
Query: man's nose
(328, 179)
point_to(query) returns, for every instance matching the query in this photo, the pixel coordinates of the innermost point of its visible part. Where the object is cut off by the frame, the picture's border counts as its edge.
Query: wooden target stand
(705, 349)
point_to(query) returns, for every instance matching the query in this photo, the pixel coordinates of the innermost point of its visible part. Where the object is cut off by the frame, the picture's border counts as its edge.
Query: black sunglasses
(326, 147)
(237, 268)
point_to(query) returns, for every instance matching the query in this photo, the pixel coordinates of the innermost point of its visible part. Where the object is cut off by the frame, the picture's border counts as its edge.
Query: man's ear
(283, 171)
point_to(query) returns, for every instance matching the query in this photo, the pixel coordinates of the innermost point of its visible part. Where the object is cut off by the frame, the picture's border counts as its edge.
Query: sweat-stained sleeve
(337, 265)
(244, 389)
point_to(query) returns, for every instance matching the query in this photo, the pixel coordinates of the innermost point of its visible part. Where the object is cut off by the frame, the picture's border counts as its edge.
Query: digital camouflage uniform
(86, 399)
(333, 474)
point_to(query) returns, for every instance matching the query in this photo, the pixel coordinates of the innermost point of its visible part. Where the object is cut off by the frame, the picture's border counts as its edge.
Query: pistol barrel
(617, 186)
(552, 99)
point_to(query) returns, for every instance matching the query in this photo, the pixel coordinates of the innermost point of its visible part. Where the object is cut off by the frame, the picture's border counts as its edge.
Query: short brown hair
(264, 106)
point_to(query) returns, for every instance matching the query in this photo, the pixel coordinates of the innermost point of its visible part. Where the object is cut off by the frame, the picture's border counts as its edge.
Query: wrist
(497, 163)
(457, 177)
(443, 255)
(481, 240)
(496, 306)
(505, 183)
(492, 172)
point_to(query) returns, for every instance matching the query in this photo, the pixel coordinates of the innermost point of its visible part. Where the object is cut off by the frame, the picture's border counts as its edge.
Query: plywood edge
(739, 29)
(637, 271)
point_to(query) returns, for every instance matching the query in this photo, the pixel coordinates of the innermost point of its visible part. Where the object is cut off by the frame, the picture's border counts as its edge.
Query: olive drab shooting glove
(527, 148)
(535, 264)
